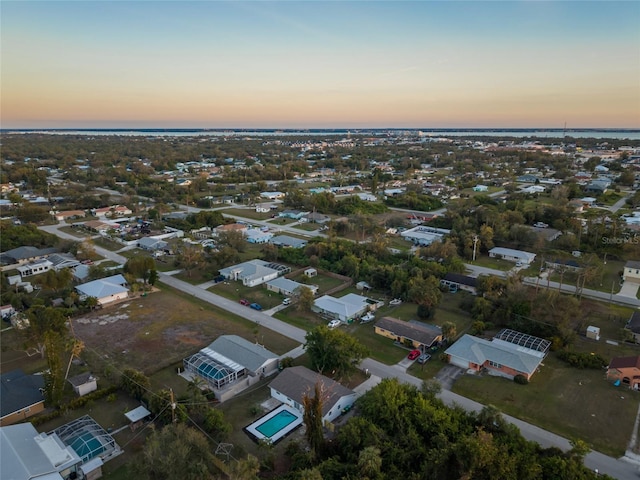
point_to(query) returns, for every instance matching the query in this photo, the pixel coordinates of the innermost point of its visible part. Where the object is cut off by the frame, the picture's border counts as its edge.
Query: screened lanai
(215, 369)
(88, 439)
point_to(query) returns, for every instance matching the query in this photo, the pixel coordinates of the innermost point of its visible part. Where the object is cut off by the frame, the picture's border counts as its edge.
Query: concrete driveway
(629, 289)
(448, 375)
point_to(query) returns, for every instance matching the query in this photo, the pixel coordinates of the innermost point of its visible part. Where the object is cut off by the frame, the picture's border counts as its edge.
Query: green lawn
(247, 213)
(495, 263)
(324, 282)
(609, 278)
(76, 232)
(570, 402)
(236, 291)
(108, 244)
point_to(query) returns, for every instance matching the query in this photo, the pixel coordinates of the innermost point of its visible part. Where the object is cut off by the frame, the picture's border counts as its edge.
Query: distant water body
(629, 134)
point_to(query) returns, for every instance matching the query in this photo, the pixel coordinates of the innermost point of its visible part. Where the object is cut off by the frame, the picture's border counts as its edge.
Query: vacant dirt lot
(150, 333)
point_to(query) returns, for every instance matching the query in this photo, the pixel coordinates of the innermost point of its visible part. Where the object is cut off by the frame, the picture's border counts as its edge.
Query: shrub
(582, 360)
(520, 380)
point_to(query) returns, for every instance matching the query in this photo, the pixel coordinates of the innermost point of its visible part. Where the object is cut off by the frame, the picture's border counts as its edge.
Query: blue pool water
(276, 423)
(86, 446)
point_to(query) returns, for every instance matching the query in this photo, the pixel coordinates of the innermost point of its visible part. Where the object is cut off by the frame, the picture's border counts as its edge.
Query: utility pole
(475, 242)
(173, 407)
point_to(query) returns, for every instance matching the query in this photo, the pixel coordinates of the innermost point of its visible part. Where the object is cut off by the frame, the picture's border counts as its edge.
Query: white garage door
(459, 362)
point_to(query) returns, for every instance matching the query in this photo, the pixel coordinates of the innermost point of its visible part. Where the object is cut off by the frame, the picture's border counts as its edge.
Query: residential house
(29, 455)
(293, 214)
(420, 335)
(288, 287)
(263, 208)
(512, 255)
(631, 272)
(35, 268)
(528, 178)
(84, 383)
(67, 215)
(633, 324)
(288, 241)
(548, 234)
(460, 282)
(346, 308)
(626, 370)
(105, 290)
(25, 254)
(565, 265)
(183, 182)
(424, 236)
(231, 364)
(100, 226)
(253, 272)
(22, 396)
(598, 186)
(61, 261)
(272, 195)
(294, 383)
(533, 189)
(230, 227)
(315, 217)
(257, 235)
(152, 244)
(113, 211)
(509, 354)
(480, 188)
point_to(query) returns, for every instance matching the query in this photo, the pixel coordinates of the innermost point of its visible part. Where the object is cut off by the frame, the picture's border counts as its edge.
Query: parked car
(256, 306)
(395, 301)
(424, 358)
(413, 354)
(286, 301)
(334, 323)
(367, 317)
(244, 302)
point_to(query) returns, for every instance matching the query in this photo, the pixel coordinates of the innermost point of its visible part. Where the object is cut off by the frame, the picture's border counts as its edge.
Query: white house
(35, 268)
(253, 272)
(288, 287)
(480, 188)
(631, 272)
(272, 195)
(105, 290)
(293, 383)
(345, 308)
(424, 236)
(512, 255)
(256, 235)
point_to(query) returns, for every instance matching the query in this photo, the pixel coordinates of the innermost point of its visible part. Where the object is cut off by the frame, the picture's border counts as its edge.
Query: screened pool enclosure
(215, 369)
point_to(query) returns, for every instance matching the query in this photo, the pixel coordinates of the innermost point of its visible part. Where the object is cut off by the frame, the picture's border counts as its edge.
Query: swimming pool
(276, 424)
(86, 446)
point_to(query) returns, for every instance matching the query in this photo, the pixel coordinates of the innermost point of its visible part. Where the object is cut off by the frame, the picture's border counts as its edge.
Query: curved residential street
(616, 468)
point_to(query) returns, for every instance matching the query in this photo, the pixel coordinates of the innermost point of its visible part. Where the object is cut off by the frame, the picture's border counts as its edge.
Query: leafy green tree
(305, 299)
(449, 331)
(333, 351)
(216, 424)
(370, 462)
(54, 380)
(135, 383)
(312, 417)
(42, 320)
(140, 267)
(246, 468)
(176, 452)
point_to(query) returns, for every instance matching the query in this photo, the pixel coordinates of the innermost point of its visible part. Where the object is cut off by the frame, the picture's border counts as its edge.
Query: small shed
(137, 417)
(593, 332)
(84, 383)
(363, 286)
(311, 272)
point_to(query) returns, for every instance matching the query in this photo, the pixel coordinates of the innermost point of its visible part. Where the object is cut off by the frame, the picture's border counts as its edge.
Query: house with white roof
(105, 290)
(512, 255)
(253, 272)
(424, 236)
(272, 195)
(346, 308)
(257, 235)
(294, 383)
(27, 454)
(35, 268)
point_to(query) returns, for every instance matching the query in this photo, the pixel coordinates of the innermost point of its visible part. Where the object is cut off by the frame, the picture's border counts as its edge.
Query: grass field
(108, 244)
(236, 291)
(247, 213)
(570, 402)
(161, 329)
(603, 283)
(495, 263)
(76, 232)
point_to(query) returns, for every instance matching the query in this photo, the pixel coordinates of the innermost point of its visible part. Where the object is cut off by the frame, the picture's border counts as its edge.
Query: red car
(244, 302)
(413, 354)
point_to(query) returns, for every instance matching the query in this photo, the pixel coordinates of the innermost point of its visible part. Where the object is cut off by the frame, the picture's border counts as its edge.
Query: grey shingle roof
(250, 355)
(296, 382)
(18, 390)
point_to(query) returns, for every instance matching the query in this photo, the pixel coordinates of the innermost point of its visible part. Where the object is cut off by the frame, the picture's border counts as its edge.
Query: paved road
(605, 464)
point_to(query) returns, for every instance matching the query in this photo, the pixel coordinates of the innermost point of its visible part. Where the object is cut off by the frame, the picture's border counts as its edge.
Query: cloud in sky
(305, 64)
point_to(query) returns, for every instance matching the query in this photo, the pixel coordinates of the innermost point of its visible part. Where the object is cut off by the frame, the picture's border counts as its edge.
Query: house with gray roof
(497, 357)
(345, 309)
(294, 383)
(105, 290)
(25, 254)
(152, 244)
(62, 260)
(421, 335)
(288, 241)
(254, 272)
(512, 255)
(288, 287)
(21, 396)
(631, 272)
(29, 455)
(231, 364)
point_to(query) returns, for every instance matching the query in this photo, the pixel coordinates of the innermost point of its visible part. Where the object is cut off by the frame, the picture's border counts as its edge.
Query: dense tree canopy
(333, 352)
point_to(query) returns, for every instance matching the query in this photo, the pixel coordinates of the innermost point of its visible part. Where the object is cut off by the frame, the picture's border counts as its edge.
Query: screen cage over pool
(215, 369)
(88, 439)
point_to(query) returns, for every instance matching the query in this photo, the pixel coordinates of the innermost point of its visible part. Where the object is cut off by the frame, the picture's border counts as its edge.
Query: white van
(286, 301)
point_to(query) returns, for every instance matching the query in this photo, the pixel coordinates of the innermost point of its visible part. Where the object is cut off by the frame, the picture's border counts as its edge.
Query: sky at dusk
(316, 64)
